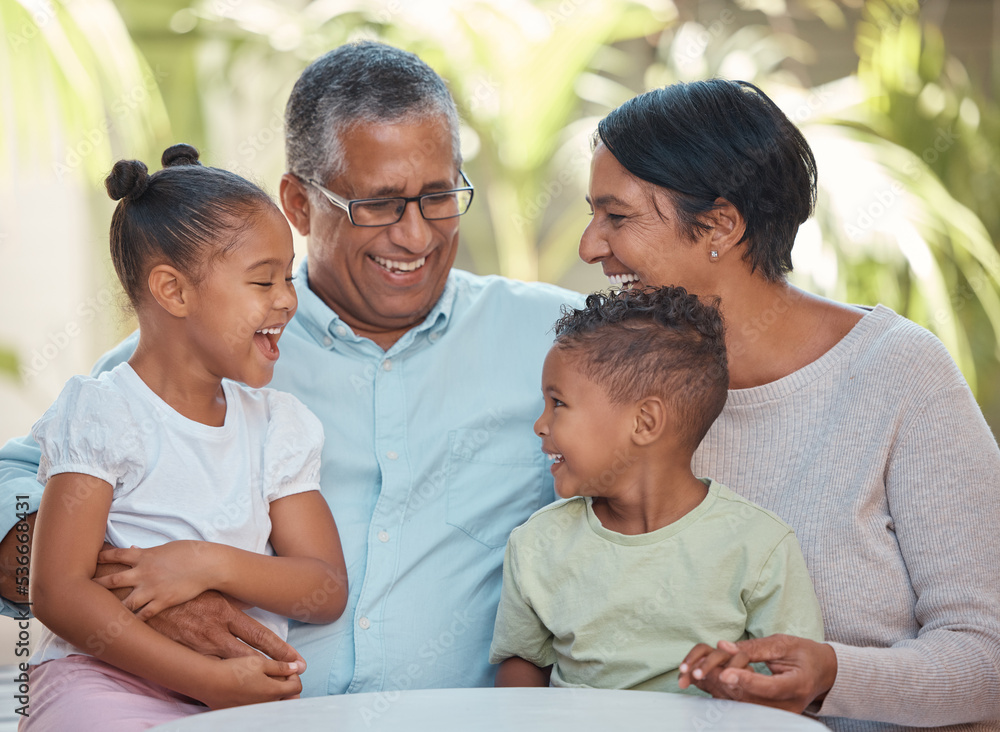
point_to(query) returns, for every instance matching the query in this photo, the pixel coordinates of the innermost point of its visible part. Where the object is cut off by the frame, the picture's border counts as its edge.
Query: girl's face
(634, 232)
(244, 302)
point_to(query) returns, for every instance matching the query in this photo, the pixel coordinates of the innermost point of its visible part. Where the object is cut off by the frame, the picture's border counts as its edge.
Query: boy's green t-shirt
(614, 611)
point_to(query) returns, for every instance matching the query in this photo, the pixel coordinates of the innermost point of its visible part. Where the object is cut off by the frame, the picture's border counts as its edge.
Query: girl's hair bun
(179, 154)
(128, 179)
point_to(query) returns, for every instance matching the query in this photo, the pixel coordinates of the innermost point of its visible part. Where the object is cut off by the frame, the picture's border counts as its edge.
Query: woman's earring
(714, 255)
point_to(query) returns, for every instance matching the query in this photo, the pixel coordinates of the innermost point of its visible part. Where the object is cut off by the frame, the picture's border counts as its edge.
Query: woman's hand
(249, 680)
(160, 577)
(803, 671)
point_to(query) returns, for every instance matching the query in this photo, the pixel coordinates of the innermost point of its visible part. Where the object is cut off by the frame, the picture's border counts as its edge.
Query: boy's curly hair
(652, 341)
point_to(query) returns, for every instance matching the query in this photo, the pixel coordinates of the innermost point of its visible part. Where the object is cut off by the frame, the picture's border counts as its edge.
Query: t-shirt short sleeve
(90, 430)
(784, 600)
(518, 630)
(293, 448)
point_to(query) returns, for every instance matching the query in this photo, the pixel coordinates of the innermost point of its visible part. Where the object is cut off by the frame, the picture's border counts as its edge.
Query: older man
(426, 380)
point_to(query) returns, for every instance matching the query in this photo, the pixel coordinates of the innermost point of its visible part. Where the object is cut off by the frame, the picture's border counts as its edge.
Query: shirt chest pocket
(495, 482)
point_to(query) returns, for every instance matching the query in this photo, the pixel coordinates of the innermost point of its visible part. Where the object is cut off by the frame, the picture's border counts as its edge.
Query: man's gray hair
(357, 83)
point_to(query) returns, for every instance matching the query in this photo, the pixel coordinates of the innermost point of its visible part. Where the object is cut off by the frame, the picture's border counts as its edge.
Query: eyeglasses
(387, 211)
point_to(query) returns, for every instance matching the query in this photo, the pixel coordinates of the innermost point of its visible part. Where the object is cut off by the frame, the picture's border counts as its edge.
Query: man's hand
(803, 671)
(210, 625)
(15, 554)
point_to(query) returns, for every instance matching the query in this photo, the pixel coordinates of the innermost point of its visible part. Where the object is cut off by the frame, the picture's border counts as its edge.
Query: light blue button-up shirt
(430, 460)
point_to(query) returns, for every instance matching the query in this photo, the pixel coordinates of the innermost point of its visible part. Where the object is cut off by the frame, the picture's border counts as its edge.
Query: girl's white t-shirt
(174, 478)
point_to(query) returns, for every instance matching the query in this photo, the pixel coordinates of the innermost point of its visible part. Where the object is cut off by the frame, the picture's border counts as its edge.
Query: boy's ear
(652, 418)
(171, 289)
(295, 202)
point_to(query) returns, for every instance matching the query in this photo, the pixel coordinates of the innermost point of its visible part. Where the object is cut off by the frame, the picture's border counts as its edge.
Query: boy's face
(586, 435)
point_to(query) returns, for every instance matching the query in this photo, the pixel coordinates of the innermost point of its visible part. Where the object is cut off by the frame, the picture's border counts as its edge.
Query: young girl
(168, 452)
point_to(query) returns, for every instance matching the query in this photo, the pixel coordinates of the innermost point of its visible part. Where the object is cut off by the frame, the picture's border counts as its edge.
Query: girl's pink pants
(83, 694)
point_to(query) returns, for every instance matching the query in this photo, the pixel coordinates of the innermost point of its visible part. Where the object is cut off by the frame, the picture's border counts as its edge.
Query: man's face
(384, 280)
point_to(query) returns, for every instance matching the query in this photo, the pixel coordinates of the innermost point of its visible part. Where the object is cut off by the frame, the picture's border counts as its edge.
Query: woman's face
(635, 242)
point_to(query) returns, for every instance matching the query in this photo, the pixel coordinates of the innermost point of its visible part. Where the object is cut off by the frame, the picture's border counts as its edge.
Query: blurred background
(898, 99)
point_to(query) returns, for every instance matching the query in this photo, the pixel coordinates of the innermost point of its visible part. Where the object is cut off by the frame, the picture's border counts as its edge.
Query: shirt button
(364, 623)
(327, 340)
(434, 336)
(392, 455)
(383, 536)
(341, 331)
(387, 365)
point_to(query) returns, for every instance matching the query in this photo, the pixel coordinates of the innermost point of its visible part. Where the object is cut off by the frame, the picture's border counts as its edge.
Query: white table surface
(485, 710)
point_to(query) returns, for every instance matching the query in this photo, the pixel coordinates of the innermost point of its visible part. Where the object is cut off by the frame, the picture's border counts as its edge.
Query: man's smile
(395, 266)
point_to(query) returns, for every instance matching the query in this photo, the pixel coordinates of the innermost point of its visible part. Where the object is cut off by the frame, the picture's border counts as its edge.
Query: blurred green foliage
(71, 78)
(8, 362)
(920, 100)
(72, 74)
(908, 145)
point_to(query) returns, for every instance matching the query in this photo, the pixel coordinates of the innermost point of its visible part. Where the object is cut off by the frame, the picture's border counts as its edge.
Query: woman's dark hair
(181, 215)
(720, 139)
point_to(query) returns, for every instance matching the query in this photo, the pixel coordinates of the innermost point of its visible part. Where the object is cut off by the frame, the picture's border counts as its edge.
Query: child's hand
(160, 577)
(703, 660)
(251, 680)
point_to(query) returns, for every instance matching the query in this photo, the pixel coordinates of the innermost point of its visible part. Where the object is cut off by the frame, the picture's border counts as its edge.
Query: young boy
(612, 587)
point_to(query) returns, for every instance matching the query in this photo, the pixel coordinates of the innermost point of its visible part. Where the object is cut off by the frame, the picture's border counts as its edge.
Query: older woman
(852, 424)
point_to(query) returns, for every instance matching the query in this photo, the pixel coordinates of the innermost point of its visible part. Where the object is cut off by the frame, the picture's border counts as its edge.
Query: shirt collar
(323, 323)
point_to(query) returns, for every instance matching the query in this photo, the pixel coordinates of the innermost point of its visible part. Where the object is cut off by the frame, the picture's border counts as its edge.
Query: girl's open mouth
(267, 341)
